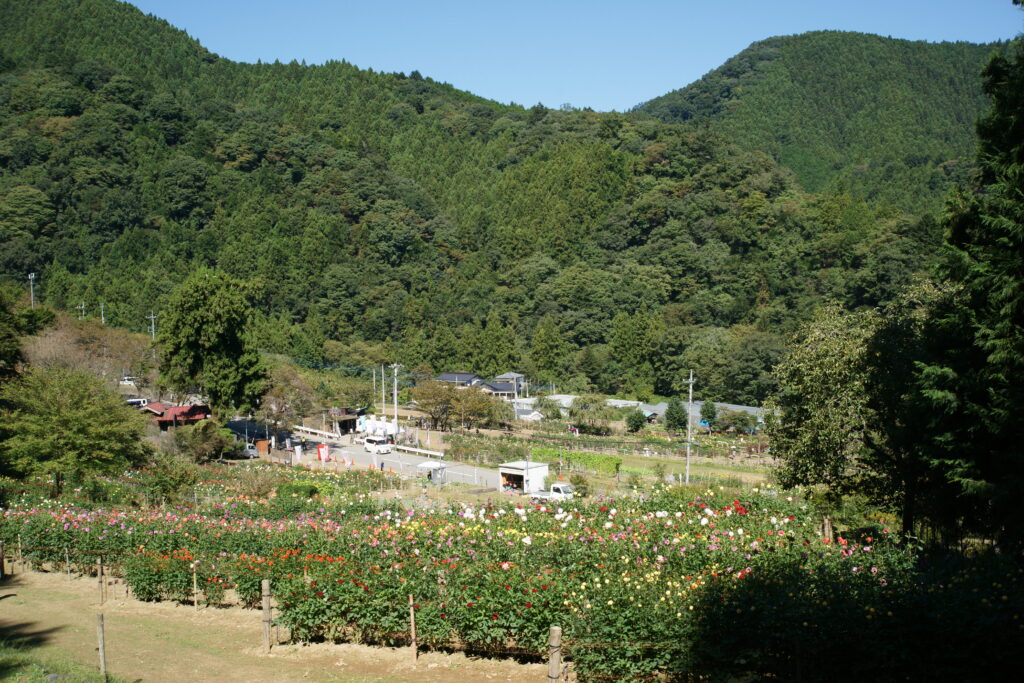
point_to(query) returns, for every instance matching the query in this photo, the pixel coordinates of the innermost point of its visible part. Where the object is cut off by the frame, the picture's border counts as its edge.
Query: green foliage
(709, 413)
(169, 476)
(382, 217)
(882, 118)
(635, 421)
(203, 342)
(205, 441)
(580, 484)
(297, 489)
(816, 423)
(66, 423)
(675, 416)
(590, 414)
(588, 462)
(969, 352)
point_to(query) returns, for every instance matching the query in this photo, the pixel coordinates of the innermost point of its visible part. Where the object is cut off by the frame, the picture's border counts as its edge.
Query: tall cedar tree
(974, 386)
(204, 345)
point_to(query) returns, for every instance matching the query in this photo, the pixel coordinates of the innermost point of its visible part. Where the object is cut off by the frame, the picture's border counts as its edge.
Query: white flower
(703, 521)
(527, 540)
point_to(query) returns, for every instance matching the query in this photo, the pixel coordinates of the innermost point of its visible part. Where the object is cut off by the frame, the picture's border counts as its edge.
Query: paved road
(346, 454)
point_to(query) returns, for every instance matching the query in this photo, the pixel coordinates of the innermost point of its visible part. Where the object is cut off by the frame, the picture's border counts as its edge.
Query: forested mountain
(886, 119)
(387, 216)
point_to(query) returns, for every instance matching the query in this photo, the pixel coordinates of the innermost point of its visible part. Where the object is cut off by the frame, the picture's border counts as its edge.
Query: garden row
(722, 587)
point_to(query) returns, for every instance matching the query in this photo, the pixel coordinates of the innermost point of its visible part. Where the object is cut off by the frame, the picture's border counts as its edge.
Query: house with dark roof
(499, 389)
(460, 379)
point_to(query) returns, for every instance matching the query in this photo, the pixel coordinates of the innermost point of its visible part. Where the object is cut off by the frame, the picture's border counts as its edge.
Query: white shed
(522, 476)
(434, 471)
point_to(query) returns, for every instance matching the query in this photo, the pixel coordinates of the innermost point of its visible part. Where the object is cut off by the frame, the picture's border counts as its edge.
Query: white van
(376, 444)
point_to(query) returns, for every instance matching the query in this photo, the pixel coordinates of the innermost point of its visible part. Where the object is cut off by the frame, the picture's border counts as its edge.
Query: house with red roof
(173, 416)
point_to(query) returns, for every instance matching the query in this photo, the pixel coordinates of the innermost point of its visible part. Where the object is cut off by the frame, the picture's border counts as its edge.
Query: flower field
(664, 585)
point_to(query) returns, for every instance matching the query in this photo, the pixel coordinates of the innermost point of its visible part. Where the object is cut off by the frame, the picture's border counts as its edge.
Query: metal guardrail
(420, 451)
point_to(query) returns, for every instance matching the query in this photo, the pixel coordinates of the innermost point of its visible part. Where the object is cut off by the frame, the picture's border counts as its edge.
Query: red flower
(469, 604)
(494, 616)
(529, 604)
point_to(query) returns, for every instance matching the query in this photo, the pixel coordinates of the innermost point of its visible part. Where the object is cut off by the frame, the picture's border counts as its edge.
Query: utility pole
(32, 288)
(152, 325)
(689, 422)
(383, 395)
(81, 310)
(394, 367)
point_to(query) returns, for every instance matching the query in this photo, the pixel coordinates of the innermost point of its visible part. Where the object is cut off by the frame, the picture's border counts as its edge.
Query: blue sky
(599, 54)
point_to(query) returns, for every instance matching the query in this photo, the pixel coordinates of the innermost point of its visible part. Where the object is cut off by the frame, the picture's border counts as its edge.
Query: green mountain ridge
(389, 217)
(887, 119)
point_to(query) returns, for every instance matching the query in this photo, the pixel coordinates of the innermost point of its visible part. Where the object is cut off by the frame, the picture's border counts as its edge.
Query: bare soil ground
(170, 642)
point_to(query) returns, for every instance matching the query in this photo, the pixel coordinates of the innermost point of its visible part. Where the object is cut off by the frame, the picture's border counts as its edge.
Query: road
(346, 454)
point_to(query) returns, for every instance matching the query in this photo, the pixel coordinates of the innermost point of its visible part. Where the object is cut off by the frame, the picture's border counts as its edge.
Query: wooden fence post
(267, 617)
(67, 562)
(99, 576)
(103, 646)
(2, 556)
(555, 653)
(21, 556)
(195, 588)
(412, 628)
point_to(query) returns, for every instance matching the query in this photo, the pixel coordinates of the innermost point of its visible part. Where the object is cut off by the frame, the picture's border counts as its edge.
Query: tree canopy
(203, 342)
(65, 423)
(385, 215)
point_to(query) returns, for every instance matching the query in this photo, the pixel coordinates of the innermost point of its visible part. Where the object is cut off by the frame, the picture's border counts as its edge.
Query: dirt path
(167, 642)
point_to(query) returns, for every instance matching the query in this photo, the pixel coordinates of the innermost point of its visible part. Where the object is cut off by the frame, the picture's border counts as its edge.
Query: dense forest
(390, 217)
(888, 120)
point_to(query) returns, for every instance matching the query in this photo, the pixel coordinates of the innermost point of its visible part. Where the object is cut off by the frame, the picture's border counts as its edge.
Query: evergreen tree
(974, 386)
(709, 413)
(675, 416)
(548, 350)
(203, 342)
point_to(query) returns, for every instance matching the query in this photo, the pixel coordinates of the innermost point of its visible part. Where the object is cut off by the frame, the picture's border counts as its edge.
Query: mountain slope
(887, 119)
(385, 216)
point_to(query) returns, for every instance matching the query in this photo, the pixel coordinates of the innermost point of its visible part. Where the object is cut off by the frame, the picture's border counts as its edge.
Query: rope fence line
(556, 651)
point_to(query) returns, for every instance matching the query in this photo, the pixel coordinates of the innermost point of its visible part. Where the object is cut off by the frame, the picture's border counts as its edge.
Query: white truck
(557, 492)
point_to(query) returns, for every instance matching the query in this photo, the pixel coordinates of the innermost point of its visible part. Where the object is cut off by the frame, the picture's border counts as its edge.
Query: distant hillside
(388, 216)
(889, 119)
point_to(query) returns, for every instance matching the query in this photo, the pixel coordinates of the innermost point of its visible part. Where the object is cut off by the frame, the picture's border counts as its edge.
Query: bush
(635, 421)
(169, 476)
(297, 489)
(580, 483)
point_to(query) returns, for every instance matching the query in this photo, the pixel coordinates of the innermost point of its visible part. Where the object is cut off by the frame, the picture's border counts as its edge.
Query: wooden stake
(412, 628)
(2, 560)
(21, 556)
(103, 646)
(67, 562)
(555, 653)
(195, 588)
(99, 576)
(267, 618)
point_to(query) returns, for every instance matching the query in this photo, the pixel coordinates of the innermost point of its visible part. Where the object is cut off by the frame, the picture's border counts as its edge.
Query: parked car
(376, 444)
(128, 380)
(138, 402)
